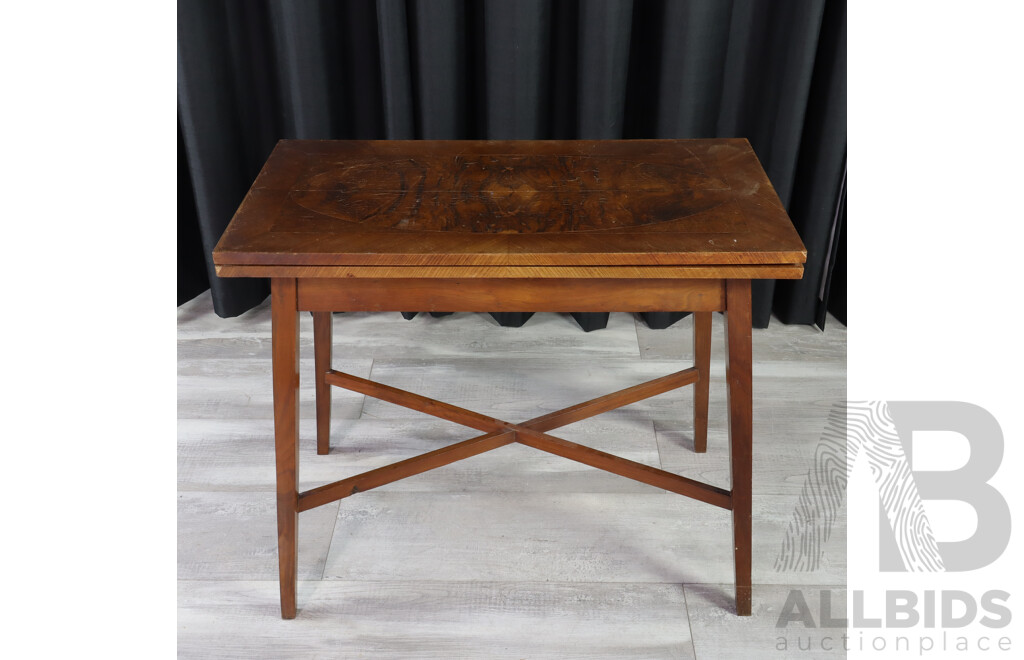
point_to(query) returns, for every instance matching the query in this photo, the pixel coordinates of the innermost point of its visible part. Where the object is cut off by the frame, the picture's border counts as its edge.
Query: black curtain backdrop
(253, 71)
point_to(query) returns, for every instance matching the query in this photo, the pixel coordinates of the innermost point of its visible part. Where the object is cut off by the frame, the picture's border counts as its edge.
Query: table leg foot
(287, 555)
(738, 377)
(743, 600)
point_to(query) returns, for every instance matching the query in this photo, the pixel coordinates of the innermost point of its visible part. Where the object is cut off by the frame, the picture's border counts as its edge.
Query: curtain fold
(192, 279)
(819, 176)
(395, 70)
(253, 71)
(694, 40)
(516, 39)
(437, 39)
(212, 122)
(516, 43)
(768, 65)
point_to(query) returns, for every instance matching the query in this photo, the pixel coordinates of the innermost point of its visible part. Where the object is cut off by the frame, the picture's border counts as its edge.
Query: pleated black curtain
(253, 71)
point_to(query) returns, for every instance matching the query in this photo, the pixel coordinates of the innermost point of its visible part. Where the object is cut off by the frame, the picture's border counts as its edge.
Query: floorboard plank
(575, 537)
(722, 637)
(434, 620)
(233, 536)
(511, 554)
(238, 454)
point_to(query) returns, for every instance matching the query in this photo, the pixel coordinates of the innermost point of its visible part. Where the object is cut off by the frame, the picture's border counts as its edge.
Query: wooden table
(503, 226)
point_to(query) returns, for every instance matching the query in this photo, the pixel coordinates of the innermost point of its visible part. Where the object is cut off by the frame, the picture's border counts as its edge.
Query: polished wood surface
(753, 272)
(502, 435)
(510, 295)
(387, 474)
(702, 363)
(323, 345)
(511, 203)
(653, 476)
(285, 341)
(532, 436)
(737, 375)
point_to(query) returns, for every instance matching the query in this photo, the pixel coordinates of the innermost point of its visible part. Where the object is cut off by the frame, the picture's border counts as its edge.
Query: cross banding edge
(499, 433)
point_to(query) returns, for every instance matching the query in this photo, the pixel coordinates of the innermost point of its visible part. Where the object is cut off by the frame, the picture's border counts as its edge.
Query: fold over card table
(511, 226)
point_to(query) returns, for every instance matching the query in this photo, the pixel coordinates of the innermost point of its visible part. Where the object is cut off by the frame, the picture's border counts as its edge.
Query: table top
(356, 206)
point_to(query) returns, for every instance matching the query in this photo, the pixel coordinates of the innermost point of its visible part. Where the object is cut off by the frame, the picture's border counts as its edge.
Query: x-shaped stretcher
(532, 433)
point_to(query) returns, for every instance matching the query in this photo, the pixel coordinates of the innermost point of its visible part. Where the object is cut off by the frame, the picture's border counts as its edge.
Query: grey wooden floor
(511, 554)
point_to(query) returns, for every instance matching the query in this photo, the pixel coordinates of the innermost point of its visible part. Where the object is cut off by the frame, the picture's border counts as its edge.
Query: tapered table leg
(701, 360)
(738, 376)
(323, 330)
(285, 329)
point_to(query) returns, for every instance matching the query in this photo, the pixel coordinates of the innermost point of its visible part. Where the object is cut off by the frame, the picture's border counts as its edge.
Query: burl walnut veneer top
(447, 204)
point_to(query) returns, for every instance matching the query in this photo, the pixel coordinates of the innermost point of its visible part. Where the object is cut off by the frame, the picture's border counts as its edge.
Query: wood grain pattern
(435, 620)
(730, 638)
(323, 344)
(285, 320)
(656, 477)
(738, 370)
(387, 474)
(510, 295)
(754, 272)
(501, 433)
(468, 448)
(608, 402)
(232, 535)
(515, 203)
(556, 537)
(507, 193)
(702, 362)
(530, 387)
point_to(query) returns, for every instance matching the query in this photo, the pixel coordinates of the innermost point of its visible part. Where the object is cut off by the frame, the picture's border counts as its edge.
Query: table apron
(510, 295)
